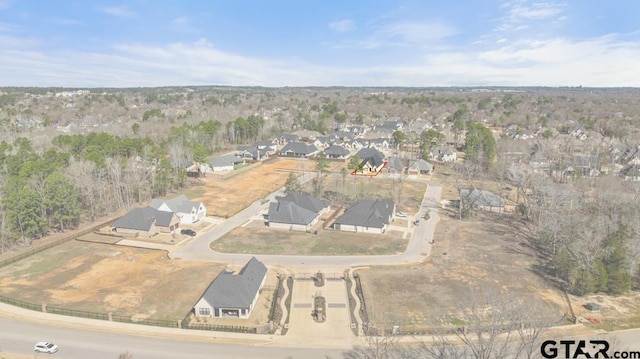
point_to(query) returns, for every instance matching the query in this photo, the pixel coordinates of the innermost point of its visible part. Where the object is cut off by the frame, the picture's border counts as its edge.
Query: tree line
(80, 176)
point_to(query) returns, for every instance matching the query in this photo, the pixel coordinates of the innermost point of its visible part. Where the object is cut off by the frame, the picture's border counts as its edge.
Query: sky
(275, 43)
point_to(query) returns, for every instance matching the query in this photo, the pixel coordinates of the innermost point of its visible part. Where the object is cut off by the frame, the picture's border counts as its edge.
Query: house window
(204, 312)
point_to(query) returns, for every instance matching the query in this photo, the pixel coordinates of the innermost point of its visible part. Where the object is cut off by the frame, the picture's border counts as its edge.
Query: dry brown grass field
(105, 278)
(472, 259)
(229, 195)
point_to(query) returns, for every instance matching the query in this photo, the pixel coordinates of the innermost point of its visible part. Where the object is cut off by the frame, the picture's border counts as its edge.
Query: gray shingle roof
(226, 160)
(298, 148)
(395, 163)
(421, 165)
(481, 197)
(236, 290)
(289, 212)
(336, 150)
(179, 204)
(305, 201)
(141, 219)
(374, 213)
(371, 155)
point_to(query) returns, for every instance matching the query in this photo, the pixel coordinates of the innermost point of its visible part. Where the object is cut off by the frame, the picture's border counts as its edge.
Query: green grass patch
(326, 243)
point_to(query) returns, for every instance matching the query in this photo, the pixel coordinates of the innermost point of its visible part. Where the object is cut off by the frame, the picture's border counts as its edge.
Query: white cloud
(400, 34)
(520, 14)
(342, 25)
(4, 4)
(602, 61)
(117, 11)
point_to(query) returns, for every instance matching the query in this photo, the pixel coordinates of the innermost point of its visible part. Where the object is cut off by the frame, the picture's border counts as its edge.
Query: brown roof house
(146, 222)
(233, 295)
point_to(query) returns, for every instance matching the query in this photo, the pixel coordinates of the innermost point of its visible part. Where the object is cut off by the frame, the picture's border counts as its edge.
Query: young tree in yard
(429, 139)
(480, 146)
(292, 184)
(322, 166)
(399, 138)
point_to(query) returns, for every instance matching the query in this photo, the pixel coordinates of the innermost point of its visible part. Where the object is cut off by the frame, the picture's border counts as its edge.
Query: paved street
(418, 249)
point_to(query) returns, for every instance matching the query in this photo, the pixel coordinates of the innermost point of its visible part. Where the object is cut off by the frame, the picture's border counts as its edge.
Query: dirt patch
(471, 258)
(227, 196)
(621, 312)
(103, 278)
(326, 242)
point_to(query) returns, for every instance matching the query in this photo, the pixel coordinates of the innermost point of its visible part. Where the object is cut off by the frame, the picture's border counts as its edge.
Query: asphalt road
(417, 250)
(19, 337)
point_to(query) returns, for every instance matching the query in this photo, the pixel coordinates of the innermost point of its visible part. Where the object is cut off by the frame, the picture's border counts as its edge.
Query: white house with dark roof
(146, 222)
(372, 161)
(298, 149)
(296, 211)
(225, 163)
(337, 152)
(443, 154)
(233, 295)
(367, 216)
(188, 211)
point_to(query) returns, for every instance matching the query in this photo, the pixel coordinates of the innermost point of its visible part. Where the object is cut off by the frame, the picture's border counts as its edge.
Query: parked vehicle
(416, 222)
(401, 214)
(45, 347)
(188, 232)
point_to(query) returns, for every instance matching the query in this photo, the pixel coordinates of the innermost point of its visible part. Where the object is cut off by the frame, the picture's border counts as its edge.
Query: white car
(401, 214)
(45, 347)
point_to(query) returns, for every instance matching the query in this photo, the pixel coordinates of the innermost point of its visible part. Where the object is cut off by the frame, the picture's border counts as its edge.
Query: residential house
(225, 163)
(481, 199)
(252, 152)
(325, 141)
(298, 149)
(372, 161)
(631, 173)
(356, 143)
(579, 132)
(267, 145)
(233, 295)
(296, 211)
(188, 211)
(368, 216)
(284, 138)
(443, 154)
(379, 143)
(337, 152)
(395, 165)
(420, 167)
(307, 135)
(146, 222)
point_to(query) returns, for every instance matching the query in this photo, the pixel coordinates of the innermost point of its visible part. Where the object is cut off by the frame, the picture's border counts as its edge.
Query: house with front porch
(146, 222)
(233, 295)
(188, 211)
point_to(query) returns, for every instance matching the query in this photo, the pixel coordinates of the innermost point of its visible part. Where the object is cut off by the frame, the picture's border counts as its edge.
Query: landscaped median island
(258, 239)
